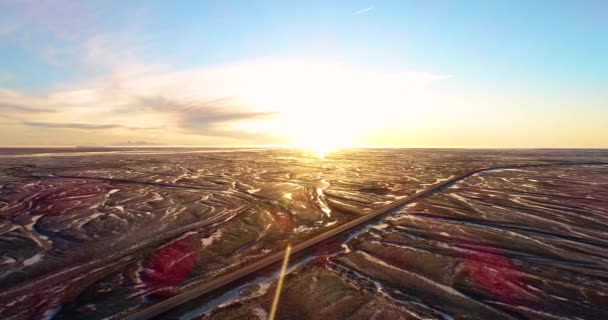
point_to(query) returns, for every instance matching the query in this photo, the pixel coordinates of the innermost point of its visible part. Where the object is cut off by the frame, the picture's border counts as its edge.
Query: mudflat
(95, 234)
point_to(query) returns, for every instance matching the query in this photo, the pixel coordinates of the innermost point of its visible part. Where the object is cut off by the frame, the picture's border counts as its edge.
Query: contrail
(364, 10)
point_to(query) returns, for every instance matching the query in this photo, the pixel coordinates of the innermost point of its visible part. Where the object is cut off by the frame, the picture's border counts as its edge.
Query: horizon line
(76, 147)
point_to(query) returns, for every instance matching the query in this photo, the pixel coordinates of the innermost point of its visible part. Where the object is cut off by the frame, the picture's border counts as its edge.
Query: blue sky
(508, 65)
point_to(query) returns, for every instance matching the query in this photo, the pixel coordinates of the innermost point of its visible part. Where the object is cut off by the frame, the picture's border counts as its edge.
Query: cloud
(63, 18)
(257, 102)
(20, 108)
(89, 35)
(370, 8)
(254, 102)
(86, 126)
(199, 115)
(211, 117)
(17, 105)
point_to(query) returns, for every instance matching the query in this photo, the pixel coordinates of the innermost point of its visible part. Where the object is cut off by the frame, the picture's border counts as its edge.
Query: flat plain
(97, 234)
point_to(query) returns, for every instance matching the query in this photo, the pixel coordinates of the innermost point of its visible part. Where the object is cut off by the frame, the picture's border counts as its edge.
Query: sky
(318, 74)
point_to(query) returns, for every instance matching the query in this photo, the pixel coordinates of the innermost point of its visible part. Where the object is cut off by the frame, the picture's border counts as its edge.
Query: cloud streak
(212, 118)
(20, 108)
(199, 114)
(86, 126)
(83, 126)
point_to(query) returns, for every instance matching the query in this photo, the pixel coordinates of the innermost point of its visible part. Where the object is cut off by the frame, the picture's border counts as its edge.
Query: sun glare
(322, 106)
(320, 151)
(322, 142)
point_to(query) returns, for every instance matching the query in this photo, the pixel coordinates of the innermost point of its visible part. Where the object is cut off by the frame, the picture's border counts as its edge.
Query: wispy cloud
(130, 98)
(88, 35)
(86, 126)
(370, 8)
(196, 114)
(20, 108)
(243, 103)
(211, 117)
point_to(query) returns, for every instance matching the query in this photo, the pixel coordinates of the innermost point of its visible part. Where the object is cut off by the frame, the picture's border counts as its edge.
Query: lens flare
(277, 294)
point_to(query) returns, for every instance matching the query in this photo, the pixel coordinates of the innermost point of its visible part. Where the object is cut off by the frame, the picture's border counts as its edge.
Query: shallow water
(98, 235)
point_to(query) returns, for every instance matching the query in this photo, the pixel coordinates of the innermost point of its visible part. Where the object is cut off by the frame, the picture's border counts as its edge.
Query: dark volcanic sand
(96, 235)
